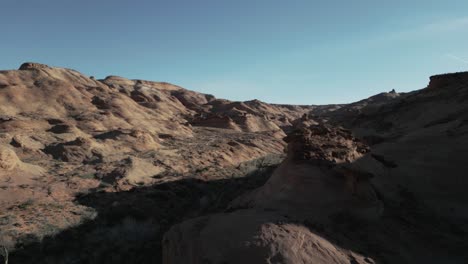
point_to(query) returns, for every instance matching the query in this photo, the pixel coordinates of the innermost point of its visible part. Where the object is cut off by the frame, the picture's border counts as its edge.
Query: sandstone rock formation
(318, 175)
(11, 165)
(216, 120)
(79, 134)
(33, 66)
(251, 237)
(447, 80)
(8, 159)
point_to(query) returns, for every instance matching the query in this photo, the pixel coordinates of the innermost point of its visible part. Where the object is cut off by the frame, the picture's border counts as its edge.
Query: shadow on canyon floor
(129, 226)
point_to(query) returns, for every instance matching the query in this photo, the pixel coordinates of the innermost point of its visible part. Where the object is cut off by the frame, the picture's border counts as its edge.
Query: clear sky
(288, 51)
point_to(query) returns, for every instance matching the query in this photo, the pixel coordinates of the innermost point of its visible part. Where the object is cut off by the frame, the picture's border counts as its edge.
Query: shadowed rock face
(450, 79)
(215, 120)
(323, 144)
(419, 143)
(78, 150)
(319, 175)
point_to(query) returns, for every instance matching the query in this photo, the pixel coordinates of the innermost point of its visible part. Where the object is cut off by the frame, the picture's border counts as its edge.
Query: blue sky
(296, 51)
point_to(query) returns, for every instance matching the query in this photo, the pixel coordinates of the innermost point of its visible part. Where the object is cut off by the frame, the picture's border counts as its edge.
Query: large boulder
(250, 236)
(319, 175)
(8, 159)
(15, 172)
(78, 150)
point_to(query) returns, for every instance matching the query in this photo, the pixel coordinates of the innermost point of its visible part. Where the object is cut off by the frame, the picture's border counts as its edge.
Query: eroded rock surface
(63, 134)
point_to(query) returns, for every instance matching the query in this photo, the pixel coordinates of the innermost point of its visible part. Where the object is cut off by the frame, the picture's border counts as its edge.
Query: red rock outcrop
(215, 120)
(446, 80)
(33, 66)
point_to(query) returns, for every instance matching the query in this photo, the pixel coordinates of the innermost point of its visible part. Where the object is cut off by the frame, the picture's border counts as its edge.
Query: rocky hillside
(336, 200)
(63, 133)
(419, 137)
(97, 171)
(325, 204)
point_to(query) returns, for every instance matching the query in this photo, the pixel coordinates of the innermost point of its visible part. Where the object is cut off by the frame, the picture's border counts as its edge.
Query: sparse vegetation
(88, 176)
(130, 225)
(26, 204)
(4, 254)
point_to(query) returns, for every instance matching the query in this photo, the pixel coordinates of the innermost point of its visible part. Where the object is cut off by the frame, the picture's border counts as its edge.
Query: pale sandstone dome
(8, 158)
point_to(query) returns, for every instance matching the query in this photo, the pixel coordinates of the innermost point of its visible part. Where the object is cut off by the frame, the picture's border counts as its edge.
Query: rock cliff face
(324, 145)
(446, 80)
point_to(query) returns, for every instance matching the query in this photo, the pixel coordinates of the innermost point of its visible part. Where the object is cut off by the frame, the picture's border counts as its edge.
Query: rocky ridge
(81, 134)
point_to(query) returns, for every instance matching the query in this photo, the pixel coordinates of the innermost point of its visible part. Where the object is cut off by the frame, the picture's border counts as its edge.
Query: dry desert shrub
(4, 254)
